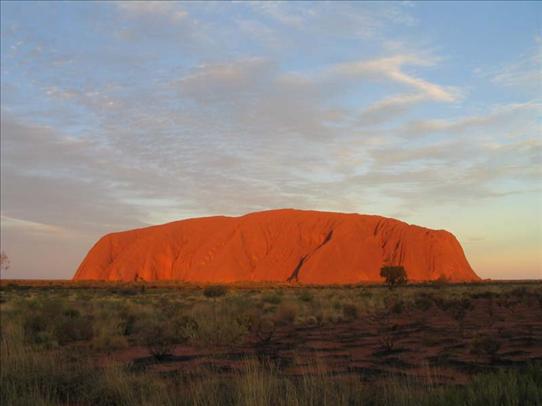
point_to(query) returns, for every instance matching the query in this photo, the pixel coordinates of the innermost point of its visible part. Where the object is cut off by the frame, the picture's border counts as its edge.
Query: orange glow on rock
(277, 246)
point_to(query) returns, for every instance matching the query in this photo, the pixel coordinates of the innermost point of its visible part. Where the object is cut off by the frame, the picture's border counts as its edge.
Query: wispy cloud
(33, 227)
(514, 117)
(392, 68)
(525, 73)
(171, 10)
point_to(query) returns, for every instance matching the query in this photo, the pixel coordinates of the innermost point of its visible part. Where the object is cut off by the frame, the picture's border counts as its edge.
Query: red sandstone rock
(277, 245)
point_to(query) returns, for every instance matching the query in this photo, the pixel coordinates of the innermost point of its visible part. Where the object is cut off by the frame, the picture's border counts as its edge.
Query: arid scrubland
(177, 344)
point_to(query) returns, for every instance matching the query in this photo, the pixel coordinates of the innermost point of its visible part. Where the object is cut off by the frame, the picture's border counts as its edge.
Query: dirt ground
(434, 344)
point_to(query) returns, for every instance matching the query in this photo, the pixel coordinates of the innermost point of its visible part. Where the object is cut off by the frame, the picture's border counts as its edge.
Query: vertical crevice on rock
(295, 273)
(326, 240)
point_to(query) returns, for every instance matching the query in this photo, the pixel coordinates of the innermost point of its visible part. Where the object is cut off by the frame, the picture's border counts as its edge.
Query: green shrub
(73, 327)
(35, 328)
(214, 291)
(306, 296)
(218, 327)
(272, 298)
(161, 334)
(55, 320)
(160, 338)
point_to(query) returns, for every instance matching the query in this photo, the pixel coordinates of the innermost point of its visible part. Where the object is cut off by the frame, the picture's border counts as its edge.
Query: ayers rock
(278, 246)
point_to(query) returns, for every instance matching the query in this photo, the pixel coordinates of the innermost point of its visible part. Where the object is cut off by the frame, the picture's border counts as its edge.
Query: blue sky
(117, 115)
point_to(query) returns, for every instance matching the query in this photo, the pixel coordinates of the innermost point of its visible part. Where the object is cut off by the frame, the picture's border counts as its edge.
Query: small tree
(394, 275)
(4, 262)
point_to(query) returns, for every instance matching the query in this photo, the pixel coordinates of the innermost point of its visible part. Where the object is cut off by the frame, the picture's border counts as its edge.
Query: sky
(117, 115)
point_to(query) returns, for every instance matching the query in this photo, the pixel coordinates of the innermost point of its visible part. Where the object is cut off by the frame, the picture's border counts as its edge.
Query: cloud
(291, 16)
(325, 19)
(32, 227)
(391, 68)
(47, 178)
(524, 74)
(259, 99)
(144, 9)
(219, 81)
(451, 172)
(259, 89)
(384, 110)
(515, 117)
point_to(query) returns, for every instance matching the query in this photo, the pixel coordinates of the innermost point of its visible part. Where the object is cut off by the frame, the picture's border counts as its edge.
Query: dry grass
(60, 344)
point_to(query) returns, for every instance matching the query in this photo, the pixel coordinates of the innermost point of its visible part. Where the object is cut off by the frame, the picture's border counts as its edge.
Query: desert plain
(176, 343)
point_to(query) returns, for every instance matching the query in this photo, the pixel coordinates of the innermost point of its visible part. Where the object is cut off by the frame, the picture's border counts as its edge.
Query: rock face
(278, 246)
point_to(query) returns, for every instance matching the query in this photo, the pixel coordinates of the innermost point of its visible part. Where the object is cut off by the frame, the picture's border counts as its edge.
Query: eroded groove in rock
(295, 273)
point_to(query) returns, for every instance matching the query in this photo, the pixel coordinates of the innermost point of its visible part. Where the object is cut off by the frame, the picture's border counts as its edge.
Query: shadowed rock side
(278, 245)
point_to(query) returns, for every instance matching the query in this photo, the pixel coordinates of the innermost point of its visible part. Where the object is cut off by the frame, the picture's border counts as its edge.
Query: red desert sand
(277, 246)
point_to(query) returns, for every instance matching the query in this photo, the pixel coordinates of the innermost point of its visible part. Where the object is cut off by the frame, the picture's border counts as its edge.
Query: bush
(350, 311)
(306, 296)
(53, 320)
(73, 328)
(218, 327)
(387, 329)
(34, 328)
(286, 313)
(312, 321)
(272, 298)
(129, 291)
(423, 302)
(459, 308)
(127, 322)
(160, 338)
(485, 345)
(397, 306)
(214, 291)
(264, 329)
(394, 275)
